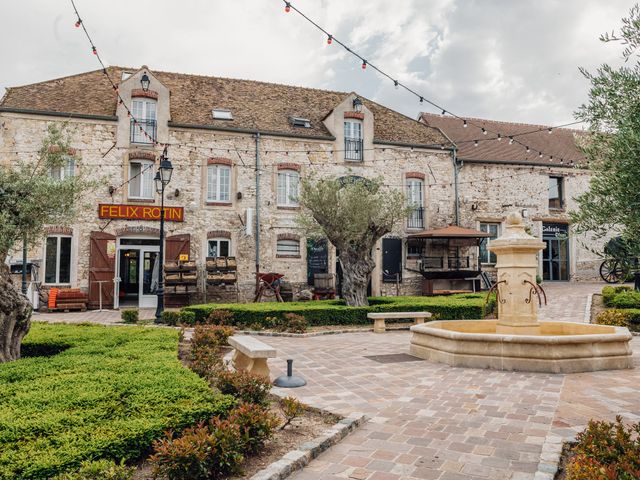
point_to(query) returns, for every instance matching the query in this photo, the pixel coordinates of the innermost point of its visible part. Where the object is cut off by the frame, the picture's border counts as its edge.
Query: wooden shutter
(177, 244)
(102, 266)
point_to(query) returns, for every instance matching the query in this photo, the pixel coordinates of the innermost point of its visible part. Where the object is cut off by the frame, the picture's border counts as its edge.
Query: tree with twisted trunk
(33, 193)
(353, 213)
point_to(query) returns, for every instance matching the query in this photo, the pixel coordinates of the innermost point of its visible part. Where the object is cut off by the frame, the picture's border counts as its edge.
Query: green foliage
(629, 318)
(205, 452)
(109, 395)
(244, 386)
(612, 144)
(256, 424)
(335, 312)
(289, 322)
(625, 299)
(608, 293)
(206, 343)
(129, 316)
(606, 450)
(291, 408)
(171, 317)
(100, 470)
(219, 317)
(30, 198)
(187, 318)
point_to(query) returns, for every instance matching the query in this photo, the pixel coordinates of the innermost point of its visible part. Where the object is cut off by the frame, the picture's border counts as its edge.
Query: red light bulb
(287, 8)
(93, 49)
(329, 40)
(78, 23)
(364, 64)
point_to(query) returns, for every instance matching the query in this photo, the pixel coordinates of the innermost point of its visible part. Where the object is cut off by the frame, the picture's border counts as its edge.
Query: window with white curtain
(218, 183)
(288, 188)
(144, 113)
(141, 179)
(415, 200)
(57, 260)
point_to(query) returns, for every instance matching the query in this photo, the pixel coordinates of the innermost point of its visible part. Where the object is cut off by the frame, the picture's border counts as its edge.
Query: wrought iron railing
(458, 263)
(438, 263)
(137, 128)
(416, 218)
(353, 149)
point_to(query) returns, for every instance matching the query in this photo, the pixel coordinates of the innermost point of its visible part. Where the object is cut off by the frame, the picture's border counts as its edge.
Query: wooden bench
(251, 354)
(379, 318)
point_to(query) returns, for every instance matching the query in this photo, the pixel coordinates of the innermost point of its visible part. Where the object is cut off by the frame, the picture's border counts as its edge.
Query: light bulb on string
(475, 143)
(444, 112)
(540, 154)
(528, 149)
(395, 84)
(510, 140)
(499, 137)
(78, 23)
(484, 132)
(287, 8)
(329, 39)
(93, 49)
(550, 129)
(364, 64)
(464, 123)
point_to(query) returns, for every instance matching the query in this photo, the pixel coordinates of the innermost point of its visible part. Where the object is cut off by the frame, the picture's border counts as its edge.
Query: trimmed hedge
(109, 394)
(628, 317)
(335, 312)
(613, 296)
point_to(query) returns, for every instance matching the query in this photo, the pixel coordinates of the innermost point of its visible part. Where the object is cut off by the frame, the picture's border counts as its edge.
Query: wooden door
(391, 260)
(176, 245)
(102, 267)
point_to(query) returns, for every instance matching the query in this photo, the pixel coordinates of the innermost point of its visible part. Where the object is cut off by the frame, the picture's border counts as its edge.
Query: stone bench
(379, 318)
(251, 354)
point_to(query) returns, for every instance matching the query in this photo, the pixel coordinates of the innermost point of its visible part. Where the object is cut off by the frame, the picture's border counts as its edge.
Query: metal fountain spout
(517, 266)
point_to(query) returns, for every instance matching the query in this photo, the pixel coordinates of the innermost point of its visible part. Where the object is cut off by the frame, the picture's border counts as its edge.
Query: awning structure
(451, 231)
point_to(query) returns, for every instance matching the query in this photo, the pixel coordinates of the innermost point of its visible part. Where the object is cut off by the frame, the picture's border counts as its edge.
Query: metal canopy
(451, 231)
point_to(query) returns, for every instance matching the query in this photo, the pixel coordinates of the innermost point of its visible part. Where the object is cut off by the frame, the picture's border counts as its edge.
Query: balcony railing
(353, 149)
(138, 129)
(416, 218)
(438, 263)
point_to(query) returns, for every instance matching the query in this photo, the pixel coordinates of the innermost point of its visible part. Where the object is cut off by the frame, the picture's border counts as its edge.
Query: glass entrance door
(555, 260)
(148, 285)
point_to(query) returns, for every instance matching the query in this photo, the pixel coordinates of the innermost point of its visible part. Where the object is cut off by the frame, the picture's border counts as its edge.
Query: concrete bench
(379, 318)
(251, 354)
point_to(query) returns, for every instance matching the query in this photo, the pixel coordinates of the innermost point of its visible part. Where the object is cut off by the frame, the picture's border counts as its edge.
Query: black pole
(160, 306)
(24, 264)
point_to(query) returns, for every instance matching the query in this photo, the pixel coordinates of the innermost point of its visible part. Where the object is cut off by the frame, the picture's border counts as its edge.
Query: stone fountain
(517, 340)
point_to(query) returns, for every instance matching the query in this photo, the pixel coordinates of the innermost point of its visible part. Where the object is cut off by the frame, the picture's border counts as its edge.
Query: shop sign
(557, 230)
(139, 212)
(184, 257)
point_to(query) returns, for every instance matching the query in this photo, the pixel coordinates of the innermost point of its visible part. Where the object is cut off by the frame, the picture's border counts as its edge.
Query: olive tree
(353, 214)
(30, 198)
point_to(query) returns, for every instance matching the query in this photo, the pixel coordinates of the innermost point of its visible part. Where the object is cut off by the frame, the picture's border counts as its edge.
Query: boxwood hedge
(335, 312)
(92, 392)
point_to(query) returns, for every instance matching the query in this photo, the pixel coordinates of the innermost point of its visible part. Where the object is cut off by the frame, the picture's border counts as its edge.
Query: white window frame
(350, 130)
(62, 172)
(288, 253)
(58, 251)
(487, 259)
(142, 112)
(217, 241)
(288, 188)
(144, 180)
(216, 185)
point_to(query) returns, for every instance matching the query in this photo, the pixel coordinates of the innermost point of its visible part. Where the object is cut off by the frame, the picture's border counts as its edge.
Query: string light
(78, 23)
(550, 129)
(475, 143)
(510, 140)
(499, 137)
(395, 84)
(444, 112)
(540, 154)
(484, 132)
(364, 64)
(93, 49)
(464, 123)
(329, 39)
(421, 99)
(528, 149)
(287, 7)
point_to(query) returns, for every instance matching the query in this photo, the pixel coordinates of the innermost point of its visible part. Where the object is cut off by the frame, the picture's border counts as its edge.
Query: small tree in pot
(353, 213)
(31, 197)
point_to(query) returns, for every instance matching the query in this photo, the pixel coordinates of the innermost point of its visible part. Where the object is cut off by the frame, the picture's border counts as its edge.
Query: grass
(89, 392)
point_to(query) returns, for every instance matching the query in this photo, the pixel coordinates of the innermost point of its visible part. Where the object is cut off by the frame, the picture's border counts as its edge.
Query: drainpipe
(455, 185)
(257, 211)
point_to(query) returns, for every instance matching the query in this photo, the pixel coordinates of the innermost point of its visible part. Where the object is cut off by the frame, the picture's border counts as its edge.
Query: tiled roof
(560, 143)
(255, 105)
(451, 231)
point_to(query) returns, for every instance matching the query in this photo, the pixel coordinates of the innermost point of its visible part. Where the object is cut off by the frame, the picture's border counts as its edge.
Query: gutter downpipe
(257, 137)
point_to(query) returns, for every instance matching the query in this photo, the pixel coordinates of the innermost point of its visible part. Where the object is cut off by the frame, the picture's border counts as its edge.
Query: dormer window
(143, 123)
(353, 140)
(300, 122)
(221, 114)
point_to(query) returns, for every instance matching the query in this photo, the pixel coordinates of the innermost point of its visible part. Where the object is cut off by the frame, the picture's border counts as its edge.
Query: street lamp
(357, 105)
(145, 82)
(162, 179)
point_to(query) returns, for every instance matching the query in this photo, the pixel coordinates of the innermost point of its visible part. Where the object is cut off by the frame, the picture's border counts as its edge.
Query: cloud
(493, 58)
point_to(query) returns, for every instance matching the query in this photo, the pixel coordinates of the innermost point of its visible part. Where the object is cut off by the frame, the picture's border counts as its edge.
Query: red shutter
(177, 244)
(102, 266)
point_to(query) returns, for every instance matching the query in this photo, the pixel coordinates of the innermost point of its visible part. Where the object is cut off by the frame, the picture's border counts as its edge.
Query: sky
(510, 60)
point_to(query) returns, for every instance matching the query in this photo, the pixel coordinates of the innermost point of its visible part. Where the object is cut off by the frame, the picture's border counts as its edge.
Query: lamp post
(145, 82)
(162, 179)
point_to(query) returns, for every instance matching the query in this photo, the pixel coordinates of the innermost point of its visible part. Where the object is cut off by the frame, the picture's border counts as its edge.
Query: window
(144, 120)
(485, 255)
(353, 140)
(57, 264)
(556, 194)
(141, 179)
(218, 247)
(300, 122)
(288, 248)
(221, 114)
(414, 249)
(218, 183)
(415, 200)
(288, 184)
(66, 170)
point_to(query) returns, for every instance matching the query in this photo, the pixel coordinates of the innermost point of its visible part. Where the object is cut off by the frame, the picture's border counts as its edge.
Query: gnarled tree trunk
(15, 316)
(357, 266)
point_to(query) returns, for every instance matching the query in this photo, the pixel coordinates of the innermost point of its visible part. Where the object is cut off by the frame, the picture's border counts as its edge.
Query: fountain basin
(561, 347)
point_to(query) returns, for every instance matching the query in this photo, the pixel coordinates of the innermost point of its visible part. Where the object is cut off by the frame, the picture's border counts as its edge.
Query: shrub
(291, 408)
(129, 316)
(628, 299)
(606, 450)
(609, 292)
(244, 386)
(100, 470)
(629, 318)
(335, 312)
(109, 395)
(205, 452)
(256, 425)
(206, 343)
(219, 317)
(187, 318)
(290, 322)
(171, 317)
